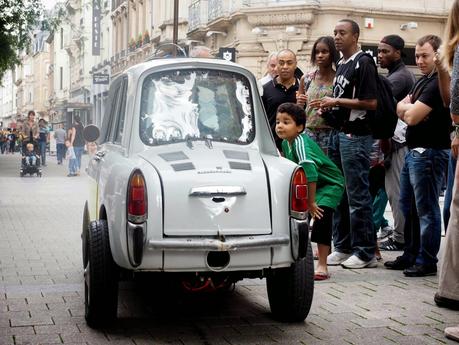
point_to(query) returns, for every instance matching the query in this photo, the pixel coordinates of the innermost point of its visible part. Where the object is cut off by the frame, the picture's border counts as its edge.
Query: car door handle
(211, 191)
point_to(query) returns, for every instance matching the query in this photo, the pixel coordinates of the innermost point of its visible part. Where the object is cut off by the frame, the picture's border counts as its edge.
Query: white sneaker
(336, 258)
(355, 263)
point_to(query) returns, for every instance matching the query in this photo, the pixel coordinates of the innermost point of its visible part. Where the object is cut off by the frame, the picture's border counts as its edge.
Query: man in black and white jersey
(354, 96)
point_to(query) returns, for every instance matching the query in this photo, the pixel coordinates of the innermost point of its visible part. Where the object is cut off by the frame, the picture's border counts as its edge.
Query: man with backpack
(402, 80)
(349, 111)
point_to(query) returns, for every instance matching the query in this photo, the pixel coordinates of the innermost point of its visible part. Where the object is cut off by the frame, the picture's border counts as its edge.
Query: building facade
(8, 100)
(132, 31)
(257, 27)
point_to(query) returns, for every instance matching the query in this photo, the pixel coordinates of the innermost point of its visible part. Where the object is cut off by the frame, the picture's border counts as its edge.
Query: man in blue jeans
(428, 140)
(354, 95)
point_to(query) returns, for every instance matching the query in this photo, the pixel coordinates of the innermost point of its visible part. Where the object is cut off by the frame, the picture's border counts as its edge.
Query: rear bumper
(231, 244)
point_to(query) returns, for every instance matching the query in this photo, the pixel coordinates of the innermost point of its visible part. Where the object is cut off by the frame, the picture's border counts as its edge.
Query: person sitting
(29, 156)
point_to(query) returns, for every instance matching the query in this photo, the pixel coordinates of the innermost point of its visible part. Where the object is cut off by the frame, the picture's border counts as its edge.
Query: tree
(17, 20)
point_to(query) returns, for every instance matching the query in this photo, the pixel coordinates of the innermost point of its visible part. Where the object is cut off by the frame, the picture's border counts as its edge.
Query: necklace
(287, 84)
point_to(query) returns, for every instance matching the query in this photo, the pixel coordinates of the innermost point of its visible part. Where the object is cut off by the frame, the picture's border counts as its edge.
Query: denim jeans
(352, 223)
(78, 153)
(60, 152)
(73, 166)
(420, 184)
(42, 146)
(449, 189)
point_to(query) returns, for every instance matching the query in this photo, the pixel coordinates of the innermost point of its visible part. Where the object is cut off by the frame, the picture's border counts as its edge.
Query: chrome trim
(296, 236)
(136, 219)
(209, 191)
(299, 215)
(130, 241)
(240, 243)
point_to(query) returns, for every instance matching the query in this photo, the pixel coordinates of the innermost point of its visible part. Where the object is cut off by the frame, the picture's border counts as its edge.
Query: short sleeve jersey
(355, 79)
(318, 168)
(434, 130)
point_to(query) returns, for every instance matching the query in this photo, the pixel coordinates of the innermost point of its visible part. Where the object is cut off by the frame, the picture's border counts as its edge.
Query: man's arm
(72, 132)
(444, 80)
(358, 104)
(365, 97)
(412, 114)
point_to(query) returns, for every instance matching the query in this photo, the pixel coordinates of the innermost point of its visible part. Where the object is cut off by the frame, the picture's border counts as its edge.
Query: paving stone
(38, 339)
(42, 297)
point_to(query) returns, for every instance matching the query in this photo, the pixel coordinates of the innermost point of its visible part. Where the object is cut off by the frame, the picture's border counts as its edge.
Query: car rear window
(186, 104)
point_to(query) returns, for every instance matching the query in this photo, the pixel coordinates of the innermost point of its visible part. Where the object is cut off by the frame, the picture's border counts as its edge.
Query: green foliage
(17, 20)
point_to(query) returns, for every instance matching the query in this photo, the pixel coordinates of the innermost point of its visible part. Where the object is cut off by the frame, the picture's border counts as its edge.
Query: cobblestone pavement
(41, 289)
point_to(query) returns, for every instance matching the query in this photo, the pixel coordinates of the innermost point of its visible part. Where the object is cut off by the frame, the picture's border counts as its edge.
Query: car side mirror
(91, 133)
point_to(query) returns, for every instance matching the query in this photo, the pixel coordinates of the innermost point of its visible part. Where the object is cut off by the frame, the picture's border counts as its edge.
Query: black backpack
(384, 119)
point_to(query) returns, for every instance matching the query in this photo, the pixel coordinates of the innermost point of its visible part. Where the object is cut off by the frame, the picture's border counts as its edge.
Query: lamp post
(175, 28)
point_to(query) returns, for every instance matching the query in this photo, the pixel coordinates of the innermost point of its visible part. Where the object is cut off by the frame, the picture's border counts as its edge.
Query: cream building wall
(7, 98)
(257, 27)
(40, 65)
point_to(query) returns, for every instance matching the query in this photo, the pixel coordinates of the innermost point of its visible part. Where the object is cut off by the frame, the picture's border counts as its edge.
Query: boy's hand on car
(316, 211)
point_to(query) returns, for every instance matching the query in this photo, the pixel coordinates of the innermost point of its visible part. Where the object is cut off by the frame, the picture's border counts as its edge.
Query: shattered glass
(189, 104)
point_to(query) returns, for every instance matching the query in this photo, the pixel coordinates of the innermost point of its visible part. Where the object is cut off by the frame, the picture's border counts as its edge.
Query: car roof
(138, 69)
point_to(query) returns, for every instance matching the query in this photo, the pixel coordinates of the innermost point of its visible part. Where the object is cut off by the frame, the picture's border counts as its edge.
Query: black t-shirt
(433, 131)
(274, 94)
(79, 139)
(354, 82)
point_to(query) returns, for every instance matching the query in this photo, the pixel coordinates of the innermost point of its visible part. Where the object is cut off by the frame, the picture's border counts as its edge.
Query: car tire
(290, 289)
(100, 277)
(84, 234)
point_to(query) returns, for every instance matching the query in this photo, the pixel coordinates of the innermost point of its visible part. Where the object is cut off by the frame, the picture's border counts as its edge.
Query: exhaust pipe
(217, 261)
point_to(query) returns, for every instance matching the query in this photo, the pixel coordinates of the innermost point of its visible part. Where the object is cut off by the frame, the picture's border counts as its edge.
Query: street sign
(228, 54)
(101, 78)
(96, 27)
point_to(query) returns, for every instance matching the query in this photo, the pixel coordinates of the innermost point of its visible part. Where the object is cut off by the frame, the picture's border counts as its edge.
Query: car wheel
(84, 234)
(100, 277)
(290, 289)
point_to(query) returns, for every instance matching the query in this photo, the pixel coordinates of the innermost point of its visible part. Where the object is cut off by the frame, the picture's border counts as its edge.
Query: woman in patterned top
(316, 85)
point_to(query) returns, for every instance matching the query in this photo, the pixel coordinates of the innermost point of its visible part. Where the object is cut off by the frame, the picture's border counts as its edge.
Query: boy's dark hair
(330, 42)
(354, 26)
(433, 40)
(295, 111)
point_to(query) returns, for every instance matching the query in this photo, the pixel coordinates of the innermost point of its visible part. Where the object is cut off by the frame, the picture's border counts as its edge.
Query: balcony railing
(197, 14)
(116, 4)
(216, 9)
(259, 3)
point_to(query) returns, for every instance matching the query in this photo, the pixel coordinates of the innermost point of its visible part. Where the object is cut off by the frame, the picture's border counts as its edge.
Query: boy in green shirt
(325, 181)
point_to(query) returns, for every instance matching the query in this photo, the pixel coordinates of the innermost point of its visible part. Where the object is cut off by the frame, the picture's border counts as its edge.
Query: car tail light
(137, 206)
(299, 192)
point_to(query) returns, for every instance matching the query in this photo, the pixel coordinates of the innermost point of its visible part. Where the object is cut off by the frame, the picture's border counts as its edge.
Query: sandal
(321, 276)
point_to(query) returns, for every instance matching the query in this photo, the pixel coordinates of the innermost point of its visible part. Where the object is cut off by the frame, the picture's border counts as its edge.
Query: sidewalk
(41, 288)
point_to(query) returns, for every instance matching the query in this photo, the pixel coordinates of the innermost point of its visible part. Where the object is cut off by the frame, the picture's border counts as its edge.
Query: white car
(187, 179)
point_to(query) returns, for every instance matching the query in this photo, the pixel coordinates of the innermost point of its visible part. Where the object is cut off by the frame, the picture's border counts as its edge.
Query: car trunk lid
(210, 192)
